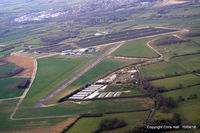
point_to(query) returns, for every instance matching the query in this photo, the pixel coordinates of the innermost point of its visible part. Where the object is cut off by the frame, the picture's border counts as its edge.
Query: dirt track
(26, 91)
(156, 51)
(6, 99)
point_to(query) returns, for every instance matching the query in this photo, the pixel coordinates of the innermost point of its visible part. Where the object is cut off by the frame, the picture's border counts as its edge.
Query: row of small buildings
(94, 91)
(88, 93)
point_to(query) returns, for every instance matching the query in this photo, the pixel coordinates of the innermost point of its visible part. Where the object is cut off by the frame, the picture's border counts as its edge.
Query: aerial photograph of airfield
(100, 66)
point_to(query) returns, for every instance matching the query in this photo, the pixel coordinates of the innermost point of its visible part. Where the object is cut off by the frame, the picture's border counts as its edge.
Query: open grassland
(178, 49)
(95, 106)
(189, 63)
(135, 48)
(185, 93)
(132, 92)
(52, 72)
(158, 115)
(126, 89)
(188, 109)
(93, 74)
(176, 65)
(174, 82)
(88, 125)
(160, 69)
(38, 125)
(9, 92)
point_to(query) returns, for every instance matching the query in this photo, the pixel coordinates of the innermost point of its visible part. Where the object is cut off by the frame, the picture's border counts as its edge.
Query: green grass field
(178, 49)
(158, 115)
(7, 125)
(52, 72)
(186, 92)
(96, 106)
(9, 93)
(189, 63)
(160, 69)
(133, 92)
(88, 125)
(188, 109)
(176, 65)
(135, 48)
(171, 83)
(93, 74)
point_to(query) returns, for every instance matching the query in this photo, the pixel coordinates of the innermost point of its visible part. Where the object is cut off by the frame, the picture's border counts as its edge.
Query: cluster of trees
(174, 121)
(165, 103)
(109, 124)
(23, 84)
(150, 89)
(168, 40)
(160, 102)
(190, 97)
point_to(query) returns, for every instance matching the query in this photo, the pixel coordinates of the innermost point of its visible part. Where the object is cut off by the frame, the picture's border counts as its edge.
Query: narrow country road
(156, 51)
(150, 114)
(9, 98)
(26, 90)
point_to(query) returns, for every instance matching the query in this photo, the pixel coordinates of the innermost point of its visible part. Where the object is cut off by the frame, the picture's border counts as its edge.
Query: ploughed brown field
(24, 62)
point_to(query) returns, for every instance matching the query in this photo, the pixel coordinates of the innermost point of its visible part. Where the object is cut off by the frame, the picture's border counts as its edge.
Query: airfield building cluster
(99, 88)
